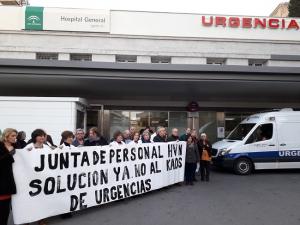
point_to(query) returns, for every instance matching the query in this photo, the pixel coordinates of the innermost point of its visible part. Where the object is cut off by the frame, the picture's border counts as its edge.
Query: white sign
(11, 18)
(221, 132)
(52, 182)
(87, 20)
(204, 26)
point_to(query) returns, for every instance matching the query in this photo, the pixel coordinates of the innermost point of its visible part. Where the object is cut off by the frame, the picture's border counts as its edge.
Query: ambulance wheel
(243, 166)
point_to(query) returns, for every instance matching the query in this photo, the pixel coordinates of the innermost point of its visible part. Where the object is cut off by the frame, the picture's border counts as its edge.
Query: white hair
(158, 128)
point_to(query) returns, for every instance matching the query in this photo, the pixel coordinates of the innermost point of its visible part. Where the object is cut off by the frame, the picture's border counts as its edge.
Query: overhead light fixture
(230, 119)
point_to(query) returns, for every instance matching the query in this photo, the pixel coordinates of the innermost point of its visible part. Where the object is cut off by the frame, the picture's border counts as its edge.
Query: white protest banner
(51, 182)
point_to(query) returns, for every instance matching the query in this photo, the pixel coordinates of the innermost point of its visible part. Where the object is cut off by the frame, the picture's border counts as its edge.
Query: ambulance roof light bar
(286, 110)
(277, 110)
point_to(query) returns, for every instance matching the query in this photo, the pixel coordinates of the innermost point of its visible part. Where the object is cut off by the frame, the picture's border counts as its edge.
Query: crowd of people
(198, 152)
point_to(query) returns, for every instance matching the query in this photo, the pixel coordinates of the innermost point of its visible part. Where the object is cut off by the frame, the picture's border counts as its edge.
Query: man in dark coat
(174, 135)
(184, 136)
(161, 135)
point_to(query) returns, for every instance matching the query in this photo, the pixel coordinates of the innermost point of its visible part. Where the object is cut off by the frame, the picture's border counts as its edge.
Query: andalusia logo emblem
(34, 18)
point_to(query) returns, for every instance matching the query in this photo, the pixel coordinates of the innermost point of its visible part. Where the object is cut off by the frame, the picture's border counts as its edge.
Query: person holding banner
(46, 137)
(126, 137)
(146, 137)
(38, 137)
(174, 136)
(79, 138)
(95, 139)
(67, 138)
(136, 138)
(118, 139)
(7, 182)
(191, 159)
(161, 135)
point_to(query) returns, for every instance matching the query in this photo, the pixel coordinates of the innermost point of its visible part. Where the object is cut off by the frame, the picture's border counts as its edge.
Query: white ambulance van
(262, 141)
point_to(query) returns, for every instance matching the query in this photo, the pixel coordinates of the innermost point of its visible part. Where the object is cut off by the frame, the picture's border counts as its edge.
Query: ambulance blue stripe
(269, 156)
(263, 154)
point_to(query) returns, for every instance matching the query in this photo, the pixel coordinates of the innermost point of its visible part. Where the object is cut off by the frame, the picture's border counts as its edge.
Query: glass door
(178, 120)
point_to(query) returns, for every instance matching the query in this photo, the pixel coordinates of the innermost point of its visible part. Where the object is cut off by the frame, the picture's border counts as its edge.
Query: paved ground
(264, 198)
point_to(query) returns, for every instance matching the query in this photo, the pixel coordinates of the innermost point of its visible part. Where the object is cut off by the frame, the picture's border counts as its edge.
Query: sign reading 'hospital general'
(62, 19)
(51, 182)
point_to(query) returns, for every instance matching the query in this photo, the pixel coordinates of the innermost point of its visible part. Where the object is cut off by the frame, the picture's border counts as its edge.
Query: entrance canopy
(162, 85)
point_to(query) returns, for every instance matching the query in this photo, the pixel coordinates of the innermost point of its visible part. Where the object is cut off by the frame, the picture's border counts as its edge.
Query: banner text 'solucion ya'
(97, 178)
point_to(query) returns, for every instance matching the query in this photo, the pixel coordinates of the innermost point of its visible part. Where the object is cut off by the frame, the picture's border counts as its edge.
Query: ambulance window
(261, 133)
(241, 131)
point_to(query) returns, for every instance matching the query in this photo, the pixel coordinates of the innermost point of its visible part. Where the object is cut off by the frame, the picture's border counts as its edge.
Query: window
(47, 56)
(92, 119)
(122, 120)
(160, 59)
(178, 120)
(81, 57)
(216, 61)
(80, 119)
(158, 118)
(257, 62)
(208, 124)
(240, 132)
(232, 119)
(126, 58)
(262, 133)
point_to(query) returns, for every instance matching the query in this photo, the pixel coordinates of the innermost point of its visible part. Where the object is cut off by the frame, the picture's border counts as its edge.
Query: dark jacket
(99, 142)
(192, 153)
(207, 146)
(158, 138)
(21, 144)
(7, 181)
(183, 137)
(172, 138)
(76, 143)
(144, 141)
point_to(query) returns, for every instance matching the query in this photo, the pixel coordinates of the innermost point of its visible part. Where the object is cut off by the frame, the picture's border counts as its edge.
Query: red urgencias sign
(250, 22)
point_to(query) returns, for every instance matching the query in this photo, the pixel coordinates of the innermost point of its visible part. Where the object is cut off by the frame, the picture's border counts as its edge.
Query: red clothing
(4, 197)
